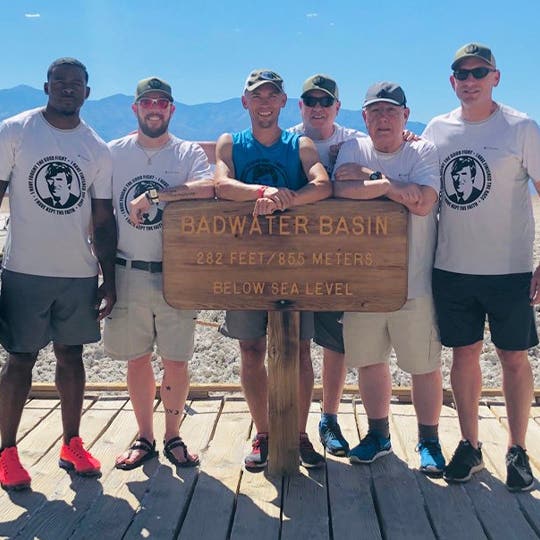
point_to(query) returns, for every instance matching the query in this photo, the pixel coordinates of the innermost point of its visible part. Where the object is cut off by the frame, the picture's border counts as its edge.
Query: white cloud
(311, 15)
(32, 15)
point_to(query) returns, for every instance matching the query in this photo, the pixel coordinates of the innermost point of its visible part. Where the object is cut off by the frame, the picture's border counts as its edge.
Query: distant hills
(112, 117)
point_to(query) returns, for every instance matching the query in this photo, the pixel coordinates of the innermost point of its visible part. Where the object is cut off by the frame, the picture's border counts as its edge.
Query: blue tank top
(278, 165)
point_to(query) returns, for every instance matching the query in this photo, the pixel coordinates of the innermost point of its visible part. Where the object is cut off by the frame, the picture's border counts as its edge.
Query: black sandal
(140, 444)
(176, 442)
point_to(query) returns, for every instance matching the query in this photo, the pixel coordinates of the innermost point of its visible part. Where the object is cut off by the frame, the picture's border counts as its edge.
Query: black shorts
(462, 302)
(329, 330)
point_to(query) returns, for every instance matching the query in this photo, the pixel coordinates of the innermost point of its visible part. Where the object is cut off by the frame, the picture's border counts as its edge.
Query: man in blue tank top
(277, 170)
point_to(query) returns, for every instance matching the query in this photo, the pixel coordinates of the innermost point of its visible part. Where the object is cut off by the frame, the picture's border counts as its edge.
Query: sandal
(175, 442)
(140, 444)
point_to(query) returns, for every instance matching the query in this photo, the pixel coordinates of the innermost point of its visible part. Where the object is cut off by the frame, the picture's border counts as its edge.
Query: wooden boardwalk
(386, 500)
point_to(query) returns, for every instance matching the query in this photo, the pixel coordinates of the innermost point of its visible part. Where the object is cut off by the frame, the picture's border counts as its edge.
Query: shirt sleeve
(7, 151)
(531, 151)
(200, 167)
(426, 169)
(101, 187)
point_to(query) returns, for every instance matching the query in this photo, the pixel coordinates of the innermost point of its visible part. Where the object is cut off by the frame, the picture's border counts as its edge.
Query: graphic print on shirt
(265, 172)
(135, 187)
(57, 185)
(466, 180)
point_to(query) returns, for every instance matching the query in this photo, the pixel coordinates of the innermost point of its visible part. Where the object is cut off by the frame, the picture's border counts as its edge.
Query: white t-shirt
(416, 162)
(53, 174)
(134, 173)
(486, 219)
(341, 134)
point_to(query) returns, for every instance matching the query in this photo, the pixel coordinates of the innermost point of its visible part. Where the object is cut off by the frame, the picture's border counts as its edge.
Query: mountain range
(112, 116)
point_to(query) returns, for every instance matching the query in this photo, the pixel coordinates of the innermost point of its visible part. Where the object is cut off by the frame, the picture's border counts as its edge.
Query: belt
(149, 266)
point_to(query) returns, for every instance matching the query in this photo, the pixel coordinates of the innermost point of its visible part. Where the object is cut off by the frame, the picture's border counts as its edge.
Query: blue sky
(205, 49)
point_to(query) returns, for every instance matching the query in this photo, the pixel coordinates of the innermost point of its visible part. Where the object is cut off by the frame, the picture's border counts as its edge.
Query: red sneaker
(12, 474)
(73, 456)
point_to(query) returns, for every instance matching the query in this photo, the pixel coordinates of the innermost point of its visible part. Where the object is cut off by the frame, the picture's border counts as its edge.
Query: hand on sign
(137, 208)
(282, 197)
(264, 207)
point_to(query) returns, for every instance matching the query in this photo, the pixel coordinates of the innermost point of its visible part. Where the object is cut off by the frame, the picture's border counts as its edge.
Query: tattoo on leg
(167, 388)
(176, 412)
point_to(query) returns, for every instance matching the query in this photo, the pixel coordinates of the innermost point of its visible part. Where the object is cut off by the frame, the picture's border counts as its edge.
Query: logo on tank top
(466, 180)
(57, 185)
(265, 172)
(135, 187)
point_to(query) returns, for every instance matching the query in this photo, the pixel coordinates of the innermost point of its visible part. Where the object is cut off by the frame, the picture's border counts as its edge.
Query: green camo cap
(474, 50)
(153, 84)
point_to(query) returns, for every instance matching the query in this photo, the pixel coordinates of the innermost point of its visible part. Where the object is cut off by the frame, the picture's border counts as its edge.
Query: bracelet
(152, 196)
(260, 192)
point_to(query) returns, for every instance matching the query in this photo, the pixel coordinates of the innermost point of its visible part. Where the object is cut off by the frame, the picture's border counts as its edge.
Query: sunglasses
(325, 101)
(477, 73)
(147, 103)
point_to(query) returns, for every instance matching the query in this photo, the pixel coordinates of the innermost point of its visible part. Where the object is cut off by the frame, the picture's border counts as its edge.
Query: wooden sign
(334, 255)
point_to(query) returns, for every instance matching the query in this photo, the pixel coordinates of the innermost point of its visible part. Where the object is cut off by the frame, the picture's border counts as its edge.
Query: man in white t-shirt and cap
(319, 105)
(152, 167)
(383, 164)
(50, 288)
(484, 259)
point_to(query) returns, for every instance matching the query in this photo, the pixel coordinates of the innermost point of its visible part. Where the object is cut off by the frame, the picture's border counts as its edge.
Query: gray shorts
(141, 318)
(245, 325)
(37, 309)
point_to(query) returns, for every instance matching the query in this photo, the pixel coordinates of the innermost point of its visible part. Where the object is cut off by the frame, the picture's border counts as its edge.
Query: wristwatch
(375, 175)
(152, 196)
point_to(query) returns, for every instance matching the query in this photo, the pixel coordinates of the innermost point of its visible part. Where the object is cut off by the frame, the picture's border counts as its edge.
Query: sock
(380, 426)
(328, 417)
(428, 432)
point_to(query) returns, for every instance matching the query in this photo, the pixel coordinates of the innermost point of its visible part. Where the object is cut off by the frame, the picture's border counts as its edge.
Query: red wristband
(260, 192)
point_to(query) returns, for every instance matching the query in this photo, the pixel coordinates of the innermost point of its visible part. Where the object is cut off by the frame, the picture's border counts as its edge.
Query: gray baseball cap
(385, 91)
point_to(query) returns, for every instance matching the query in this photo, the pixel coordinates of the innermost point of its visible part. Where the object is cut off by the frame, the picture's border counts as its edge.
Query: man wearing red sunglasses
(152, 166)
(483, 264)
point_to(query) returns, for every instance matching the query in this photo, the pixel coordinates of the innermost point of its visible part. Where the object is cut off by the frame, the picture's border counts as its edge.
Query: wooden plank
(283, 370)
(52, 515)
(528, 502)
(217, 255)
(306, 490)
(352, 510)
(104, 510)
(35, 411)
(160, 514)
(212, 505)
(450, 514)
(399, 501)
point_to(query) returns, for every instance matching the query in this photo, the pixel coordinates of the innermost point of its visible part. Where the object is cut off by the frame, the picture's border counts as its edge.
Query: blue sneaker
(332, 438)
(431, 458)
(371, 447)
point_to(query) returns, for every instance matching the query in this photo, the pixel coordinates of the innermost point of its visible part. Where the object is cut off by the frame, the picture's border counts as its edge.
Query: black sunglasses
(477, 73)
(325, 101)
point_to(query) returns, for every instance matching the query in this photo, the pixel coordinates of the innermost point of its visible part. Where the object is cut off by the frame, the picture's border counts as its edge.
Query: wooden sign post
(335, 255)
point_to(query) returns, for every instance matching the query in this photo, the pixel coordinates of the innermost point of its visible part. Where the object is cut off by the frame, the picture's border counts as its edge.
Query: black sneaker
(519, 476)
(465, 461)
(309, 458)
(258, 458)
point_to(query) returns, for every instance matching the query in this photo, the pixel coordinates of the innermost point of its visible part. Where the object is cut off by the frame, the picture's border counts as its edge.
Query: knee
(20, 363)
(514, 361)
(68, 354)
(253, 351)
(175, 368)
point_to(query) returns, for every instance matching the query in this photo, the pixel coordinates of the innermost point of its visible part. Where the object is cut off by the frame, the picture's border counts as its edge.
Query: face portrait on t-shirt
(58, 186)
(464, 180)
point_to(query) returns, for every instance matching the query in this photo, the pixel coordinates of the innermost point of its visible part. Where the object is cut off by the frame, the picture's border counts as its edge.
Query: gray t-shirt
(486, 224)
(134, 172)
(53, 174)
(417, 162)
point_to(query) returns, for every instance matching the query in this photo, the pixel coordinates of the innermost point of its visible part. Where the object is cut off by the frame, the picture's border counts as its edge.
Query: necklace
(152, 153)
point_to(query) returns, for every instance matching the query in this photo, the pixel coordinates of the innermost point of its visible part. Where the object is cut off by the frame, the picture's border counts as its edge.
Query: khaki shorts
(411, 331)
(142, 318)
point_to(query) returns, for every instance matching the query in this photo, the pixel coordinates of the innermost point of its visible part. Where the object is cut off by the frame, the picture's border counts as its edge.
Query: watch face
(375, 175)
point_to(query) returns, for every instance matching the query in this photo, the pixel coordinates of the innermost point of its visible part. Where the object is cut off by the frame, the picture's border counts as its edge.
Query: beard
(153, 133)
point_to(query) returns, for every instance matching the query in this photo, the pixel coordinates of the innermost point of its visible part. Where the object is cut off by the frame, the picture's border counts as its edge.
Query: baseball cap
(474, 50)
(321, 82)
(258, 77)
(153, 84)
(385, 91)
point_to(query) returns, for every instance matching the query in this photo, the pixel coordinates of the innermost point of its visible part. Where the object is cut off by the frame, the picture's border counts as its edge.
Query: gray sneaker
(465, 461)
(519, 476)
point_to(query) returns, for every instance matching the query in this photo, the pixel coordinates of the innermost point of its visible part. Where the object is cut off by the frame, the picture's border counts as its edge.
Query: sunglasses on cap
(477, 73)
(325, 101)
(147, 103)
